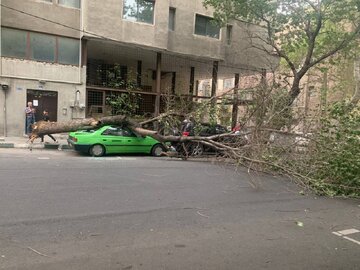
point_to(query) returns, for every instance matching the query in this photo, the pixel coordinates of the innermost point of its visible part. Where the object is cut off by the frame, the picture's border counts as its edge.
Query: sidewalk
(23, 142)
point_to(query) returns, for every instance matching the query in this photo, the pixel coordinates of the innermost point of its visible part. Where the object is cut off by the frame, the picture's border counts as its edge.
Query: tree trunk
(42, 128)
(294, 92)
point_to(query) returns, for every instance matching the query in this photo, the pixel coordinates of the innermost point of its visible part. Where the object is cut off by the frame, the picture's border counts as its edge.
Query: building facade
(70, 56)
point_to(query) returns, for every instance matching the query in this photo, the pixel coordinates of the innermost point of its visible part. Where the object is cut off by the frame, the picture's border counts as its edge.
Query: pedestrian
(46, 118)
(237, 128)
(30, 118)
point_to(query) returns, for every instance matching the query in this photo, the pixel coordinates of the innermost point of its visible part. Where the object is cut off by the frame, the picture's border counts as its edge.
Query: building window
(70, 3)
(139, 10)
(172, 19)
(39, 47)
(68, 51)
(13, 43)
(229, 34)
(206, 26)
(42, 47)
(50, 1)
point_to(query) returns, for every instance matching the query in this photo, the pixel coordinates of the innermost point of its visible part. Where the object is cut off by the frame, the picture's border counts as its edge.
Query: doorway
(43, 100)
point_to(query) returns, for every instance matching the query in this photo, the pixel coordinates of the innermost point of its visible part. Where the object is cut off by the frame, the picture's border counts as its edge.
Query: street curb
(6, 145)
(57, 146)
(36, 146)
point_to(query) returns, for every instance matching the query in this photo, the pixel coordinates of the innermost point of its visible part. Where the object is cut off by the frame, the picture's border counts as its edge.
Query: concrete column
(235, 108)
(173, 83)
(197, 88)
(214, 78)
(84, 52)
(5, 112)
(158, 84)
(192, 82)
(4, 93)
(139, 73)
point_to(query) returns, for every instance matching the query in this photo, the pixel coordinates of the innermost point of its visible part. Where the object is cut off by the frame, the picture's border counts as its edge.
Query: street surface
(61, 210)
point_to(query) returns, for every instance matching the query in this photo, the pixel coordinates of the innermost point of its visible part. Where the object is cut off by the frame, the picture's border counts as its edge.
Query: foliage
(336, 160)
(115, 77)
(224, 115)
(122, 103)
(125, 103)
(280, 115)
(303, 33)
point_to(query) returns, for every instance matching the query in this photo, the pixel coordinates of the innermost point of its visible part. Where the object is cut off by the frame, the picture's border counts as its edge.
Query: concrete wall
(22, 75)
(184, 41)
(105, 18)
(16, 102)
(40, 71)
(246, 48)
(53, 12)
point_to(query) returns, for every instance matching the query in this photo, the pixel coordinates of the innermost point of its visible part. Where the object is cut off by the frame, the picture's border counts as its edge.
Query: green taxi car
(113, 140)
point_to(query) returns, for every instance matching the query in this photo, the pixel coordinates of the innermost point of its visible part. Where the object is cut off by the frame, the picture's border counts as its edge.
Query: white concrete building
(67, 56)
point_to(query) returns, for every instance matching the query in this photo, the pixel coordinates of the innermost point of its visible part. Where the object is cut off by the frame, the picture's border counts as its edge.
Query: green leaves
(125, 103)
(303, 32)
(338, 151)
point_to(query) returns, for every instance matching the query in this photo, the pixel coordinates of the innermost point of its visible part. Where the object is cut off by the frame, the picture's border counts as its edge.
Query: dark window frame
(172, 24)
(207, 26)
(229, 34)
(136, 19)
(67, 6)
(31, 57)
(57, 2)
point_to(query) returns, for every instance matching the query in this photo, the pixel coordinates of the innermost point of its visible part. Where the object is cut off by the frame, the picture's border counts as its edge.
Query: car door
(114, 141)
(136, 144)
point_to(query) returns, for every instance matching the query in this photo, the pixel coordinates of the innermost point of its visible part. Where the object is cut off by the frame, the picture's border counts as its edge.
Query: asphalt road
(59, 210)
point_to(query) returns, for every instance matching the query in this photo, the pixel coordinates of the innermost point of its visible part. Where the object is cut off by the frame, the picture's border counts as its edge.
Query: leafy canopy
(302, 32)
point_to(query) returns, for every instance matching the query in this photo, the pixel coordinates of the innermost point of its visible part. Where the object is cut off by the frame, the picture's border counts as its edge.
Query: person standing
(30, 118)
(46, 118)
(237, 128)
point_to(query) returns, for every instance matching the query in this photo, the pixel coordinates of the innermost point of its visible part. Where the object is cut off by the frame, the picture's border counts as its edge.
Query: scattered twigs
(200, 214)
(37, 252)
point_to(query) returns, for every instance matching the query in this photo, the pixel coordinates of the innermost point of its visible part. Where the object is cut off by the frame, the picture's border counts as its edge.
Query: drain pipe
(2, 86)
(5, 118)
(5, 88)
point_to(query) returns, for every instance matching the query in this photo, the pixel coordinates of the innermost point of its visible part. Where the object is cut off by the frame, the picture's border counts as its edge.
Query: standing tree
(303, 33)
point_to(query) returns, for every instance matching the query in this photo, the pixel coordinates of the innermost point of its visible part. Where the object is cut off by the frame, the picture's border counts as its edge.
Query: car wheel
(157, 150)
(197, 149)
(97, 150)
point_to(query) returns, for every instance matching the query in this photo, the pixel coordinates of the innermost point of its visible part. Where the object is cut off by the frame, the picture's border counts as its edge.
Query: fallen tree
(43, 128)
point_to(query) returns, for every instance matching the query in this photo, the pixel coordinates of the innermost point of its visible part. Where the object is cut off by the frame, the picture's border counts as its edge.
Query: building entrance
(43, 100)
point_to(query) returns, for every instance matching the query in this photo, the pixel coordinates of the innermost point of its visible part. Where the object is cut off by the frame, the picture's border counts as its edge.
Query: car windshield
(118, 131)
(89, 130)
